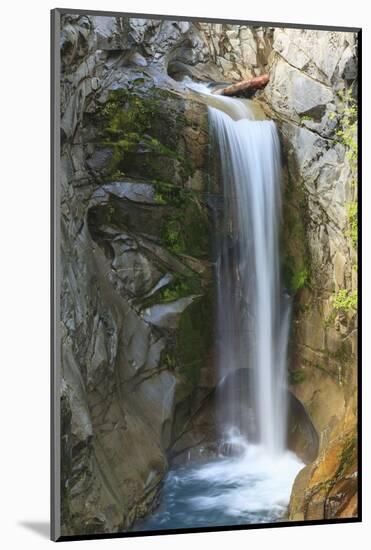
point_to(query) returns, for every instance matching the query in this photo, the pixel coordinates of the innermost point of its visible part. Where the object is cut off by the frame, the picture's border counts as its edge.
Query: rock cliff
(136, 277)
(312, 97)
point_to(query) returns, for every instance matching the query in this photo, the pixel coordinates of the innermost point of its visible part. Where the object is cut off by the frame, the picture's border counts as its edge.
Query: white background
(24, 306)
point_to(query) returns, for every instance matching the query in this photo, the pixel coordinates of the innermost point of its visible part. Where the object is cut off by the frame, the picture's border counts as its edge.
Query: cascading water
(251, 484)
(252, 314)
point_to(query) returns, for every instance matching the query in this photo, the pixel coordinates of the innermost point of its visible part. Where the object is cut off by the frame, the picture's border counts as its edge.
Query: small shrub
(348, 131)
(300, 279)
(345, 300)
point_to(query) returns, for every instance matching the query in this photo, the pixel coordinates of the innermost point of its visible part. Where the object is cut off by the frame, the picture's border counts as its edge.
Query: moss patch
(297, 376)
(295, 261)
(186, 228)
(194, 339)
(142, 129)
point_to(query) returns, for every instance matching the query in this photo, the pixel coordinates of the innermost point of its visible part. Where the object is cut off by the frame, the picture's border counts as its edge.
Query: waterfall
(251, 483)
(253, 314)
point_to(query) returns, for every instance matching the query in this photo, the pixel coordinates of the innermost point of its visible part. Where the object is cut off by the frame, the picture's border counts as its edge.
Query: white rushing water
(248, 488)
(253, 313)
(251, 480)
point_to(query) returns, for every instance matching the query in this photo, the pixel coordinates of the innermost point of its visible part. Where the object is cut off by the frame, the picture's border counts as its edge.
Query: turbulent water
(252, 487)
(253, 483)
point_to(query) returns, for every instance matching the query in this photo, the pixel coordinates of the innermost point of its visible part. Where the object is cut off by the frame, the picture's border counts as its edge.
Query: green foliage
(297, 376)
(125, 123)
(352, 208)
(295, 276)
(117, 175)
(127, 116)
(173, 237)
(348, 131)
(348, 137)
(161, 149)
(300, 279)
(167, 193)
(185, 228)
(304, 118)
(178, 289)
(345, 300)
(296, 261)
(169, 361)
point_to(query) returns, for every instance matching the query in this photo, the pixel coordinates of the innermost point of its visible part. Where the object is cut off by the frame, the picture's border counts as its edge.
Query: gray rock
(138, 192)
(294, 94)
(137, 59)
(167, 315)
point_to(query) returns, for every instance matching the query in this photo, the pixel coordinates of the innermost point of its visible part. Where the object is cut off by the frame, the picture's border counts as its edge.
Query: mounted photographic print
(205, 190)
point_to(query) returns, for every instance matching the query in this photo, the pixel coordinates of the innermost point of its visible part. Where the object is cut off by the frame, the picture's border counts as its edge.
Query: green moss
(347, 456)
(167, 193)
(299, 279)
(320, 366)
(161, 149)
(193, 339)
(347, 133)
(125, 124)
(295, 274)
(297, 376)
(304, 118)
(168, 360)
(185, 229)
(124, 112)
(302, 308)
(173, 237)
(178, 289)
(329, 319)
(117, 175)
(296, 261)
(352, 208)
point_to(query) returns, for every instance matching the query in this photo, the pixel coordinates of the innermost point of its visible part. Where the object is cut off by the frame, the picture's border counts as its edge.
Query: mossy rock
(194, 337)
(143, 131)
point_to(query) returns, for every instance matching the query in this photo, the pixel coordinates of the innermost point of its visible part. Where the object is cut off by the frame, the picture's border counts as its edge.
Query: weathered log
(245, 87)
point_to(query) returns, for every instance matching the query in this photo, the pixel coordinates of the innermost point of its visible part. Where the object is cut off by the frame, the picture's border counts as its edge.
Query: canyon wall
(136, 293)
(312, 96)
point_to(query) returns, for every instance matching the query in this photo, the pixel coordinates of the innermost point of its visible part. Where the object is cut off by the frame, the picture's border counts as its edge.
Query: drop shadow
(41, 528)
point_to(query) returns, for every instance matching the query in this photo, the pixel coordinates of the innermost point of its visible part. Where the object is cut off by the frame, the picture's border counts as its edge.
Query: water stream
(253, 314)
(252, 484)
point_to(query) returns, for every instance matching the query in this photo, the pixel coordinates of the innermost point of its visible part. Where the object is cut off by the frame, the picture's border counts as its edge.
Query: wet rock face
(312, 77)
(136, 277)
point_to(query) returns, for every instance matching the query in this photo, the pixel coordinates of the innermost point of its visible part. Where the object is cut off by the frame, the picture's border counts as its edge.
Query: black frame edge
(54, 278)
(195, 530)
(359, 273)
(65, 11)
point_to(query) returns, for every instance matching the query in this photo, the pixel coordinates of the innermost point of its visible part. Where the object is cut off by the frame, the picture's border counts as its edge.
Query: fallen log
(245, 87)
